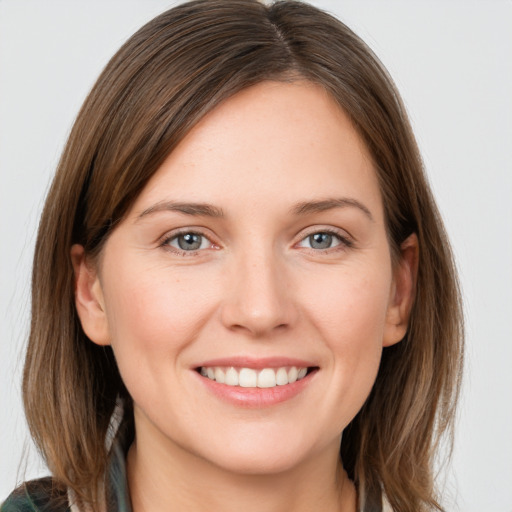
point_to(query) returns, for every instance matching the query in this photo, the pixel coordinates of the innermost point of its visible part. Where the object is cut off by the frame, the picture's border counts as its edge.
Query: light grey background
(452, 63)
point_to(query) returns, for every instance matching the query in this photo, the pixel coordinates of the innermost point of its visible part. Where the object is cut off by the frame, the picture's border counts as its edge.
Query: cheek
(351, 305)
(155, 306)
(152, 318)
(351, 317)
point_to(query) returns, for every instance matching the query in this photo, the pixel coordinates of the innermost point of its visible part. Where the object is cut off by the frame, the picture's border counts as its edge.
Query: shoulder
(42, 495)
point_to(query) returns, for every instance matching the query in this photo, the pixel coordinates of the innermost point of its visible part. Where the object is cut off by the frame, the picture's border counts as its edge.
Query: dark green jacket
(44, 495)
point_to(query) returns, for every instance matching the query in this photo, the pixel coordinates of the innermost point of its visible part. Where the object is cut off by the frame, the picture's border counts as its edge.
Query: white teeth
(247, 378)
(302, 373)
(231, 377)
(250, 378)
(281, 377)
(220, 376)
(267, 378)
(292, 374)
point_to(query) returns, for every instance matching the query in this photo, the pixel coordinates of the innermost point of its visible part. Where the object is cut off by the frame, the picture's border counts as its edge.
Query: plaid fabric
(44, 495)
(37, 496)
(116, 488)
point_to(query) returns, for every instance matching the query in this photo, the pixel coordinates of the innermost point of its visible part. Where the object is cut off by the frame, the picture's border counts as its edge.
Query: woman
(243, 295)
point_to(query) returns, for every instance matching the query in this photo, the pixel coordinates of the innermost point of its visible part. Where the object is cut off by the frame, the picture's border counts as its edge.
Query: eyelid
(346, 240)
(164, 241)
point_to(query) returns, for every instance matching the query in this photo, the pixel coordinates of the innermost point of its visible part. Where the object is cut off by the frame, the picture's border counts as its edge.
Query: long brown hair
(163, 80)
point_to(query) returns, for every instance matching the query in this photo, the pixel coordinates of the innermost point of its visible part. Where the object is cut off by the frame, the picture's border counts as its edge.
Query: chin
(257, 463)
(264, 456)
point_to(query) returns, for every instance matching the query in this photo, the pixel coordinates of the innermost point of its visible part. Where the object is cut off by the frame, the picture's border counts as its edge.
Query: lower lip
(256, 397)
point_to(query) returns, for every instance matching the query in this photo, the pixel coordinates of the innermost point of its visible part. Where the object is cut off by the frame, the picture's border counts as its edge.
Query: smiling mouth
(252, 378)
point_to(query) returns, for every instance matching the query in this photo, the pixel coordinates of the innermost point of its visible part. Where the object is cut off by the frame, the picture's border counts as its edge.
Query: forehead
(274, 139)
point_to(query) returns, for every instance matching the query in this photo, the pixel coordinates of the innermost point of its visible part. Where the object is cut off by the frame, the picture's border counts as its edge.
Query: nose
(259, 296)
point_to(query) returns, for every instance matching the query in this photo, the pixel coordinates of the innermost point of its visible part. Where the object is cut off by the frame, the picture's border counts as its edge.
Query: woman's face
(255, 254)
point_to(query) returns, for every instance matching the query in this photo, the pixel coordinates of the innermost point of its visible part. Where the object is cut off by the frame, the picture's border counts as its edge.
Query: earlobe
(89, 299)
(403, 292)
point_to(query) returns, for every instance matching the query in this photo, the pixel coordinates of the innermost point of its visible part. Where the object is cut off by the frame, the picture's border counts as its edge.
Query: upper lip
(256, 363)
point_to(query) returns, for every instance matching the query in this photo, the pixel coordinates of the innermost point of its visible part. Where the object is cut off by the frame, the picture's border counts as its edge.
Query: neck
(171, 478)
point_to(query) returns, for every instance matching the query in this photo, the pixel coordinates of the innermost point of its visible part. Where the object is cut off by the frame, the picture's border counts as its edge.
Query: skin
(257, 288)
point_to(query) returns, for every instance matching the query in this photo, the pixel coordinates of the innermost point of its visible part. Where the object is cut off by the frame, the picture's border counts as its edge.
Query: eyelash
(166, 241)
(344, 241)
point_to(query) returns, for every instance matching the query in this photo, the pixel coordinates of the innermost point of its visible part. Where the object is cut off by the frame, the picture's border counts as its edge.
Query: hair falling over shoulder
(162, 81)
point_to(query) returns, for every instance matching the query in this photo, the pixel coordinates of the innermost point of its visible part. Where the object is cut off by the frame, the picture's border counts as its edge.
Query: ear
(89, 299)
(402, 292)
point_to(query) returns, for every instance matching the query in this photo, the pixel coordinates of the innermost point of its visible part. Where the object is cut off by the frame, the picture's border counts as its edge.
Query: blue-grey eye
(189, 242)
(320, 240)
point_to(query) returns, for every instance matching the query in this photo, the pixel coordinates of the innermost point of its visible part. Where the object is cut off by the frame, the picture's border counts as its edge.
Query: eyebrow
(309, 207)
(196, 209)
(209, 210)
